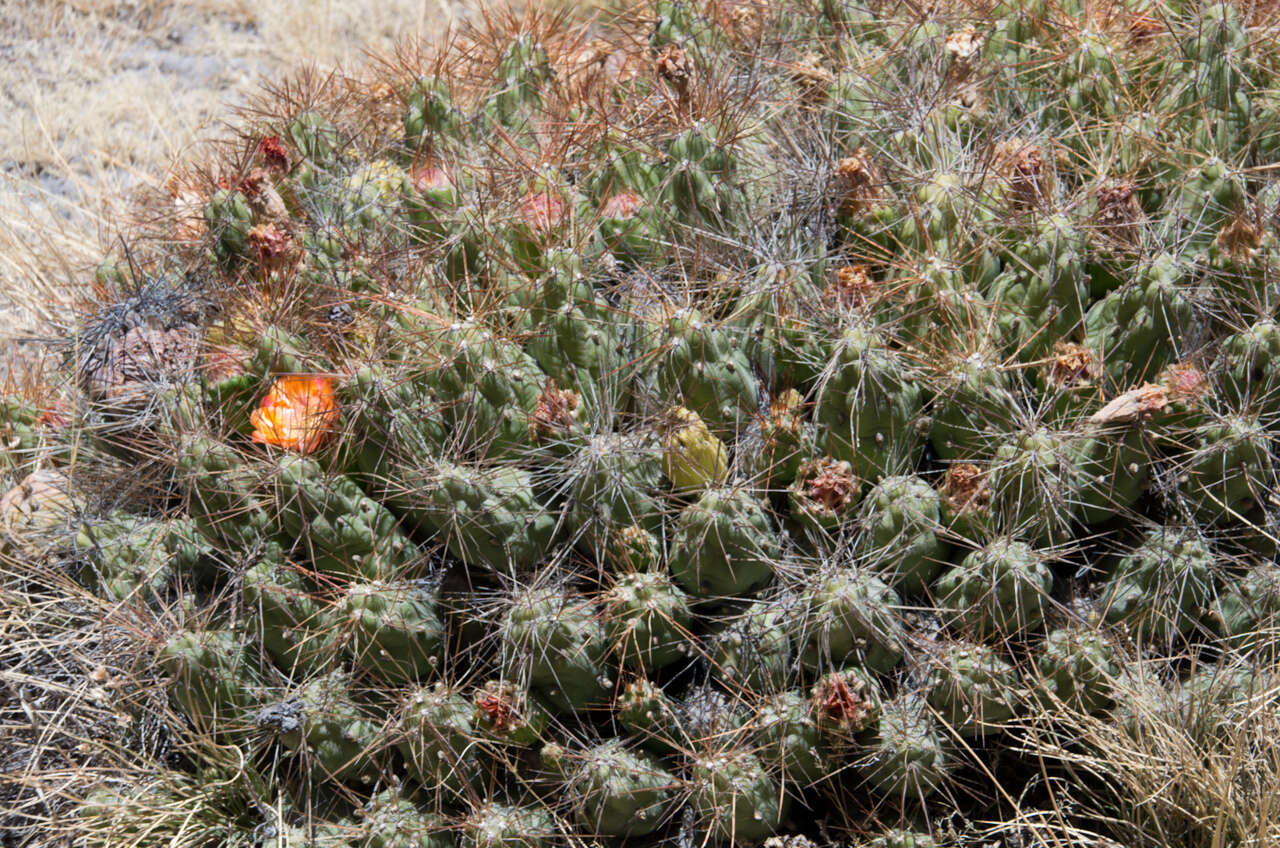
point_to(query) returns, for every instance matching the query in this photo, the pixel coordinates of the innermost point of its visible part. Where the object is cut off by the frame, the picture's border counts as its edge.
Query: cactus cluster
(737, 419)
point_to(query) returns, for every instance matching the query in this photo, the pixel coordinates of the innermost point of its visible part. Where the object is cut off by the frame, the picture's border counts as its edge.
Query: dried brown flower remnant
(273, 154)
(852, 287)
(964, 48)
(1021, 165)
(554, 413)
(588, 57)
(1143, 29)
(249, 184)
(1135, 404)
(842, 704)
(502, 710)
(1118, 214)
(497, 710)
(965, 488)
(1240, 238)
(674, 67)
(744, 22)
(830, 484)
(1073, 365)
(811, 77)
(858, 184)
(273, 246)
(258, 189)
(1182, 384)
(56, 415)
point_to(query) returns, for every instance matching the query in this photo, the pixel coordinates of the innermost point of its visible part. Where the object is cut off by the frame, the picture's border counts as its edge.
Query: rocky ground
(99, 97)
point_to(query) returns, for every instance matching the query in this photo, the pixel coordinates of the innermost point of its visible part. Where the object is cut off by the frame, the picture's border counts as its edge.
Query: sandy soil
(99, 97)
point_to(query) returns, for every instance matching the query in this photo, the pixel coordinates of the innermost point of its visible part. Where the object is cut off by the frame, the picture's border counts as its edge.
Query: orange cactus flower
(297, 414)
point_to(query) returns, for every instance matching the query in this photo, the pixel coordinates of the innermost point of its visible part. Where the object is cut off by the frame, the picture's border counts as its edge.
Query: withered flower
(1119, 216)
(273, 154)
(842, 705)
(543, 212)
(1073, 365)
(965, 488)
(858, 184)
(1021, 164)
(851, 287)
(674, 66)
(964, 49)
(1143, 29)
(811, 77)
(273, 246)
(554, 413)
(829, 483)
(1240, 238)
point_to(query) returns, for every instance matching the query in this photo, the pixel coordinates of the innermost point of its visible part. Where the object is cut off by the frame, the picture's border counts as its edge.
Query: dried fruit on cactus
(508, 715)
(824, 496)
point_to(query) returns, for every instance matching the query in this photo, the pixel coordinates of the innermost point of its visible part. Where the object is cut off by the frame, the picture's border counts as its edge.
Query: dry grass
(100, 97)
(70, 692)
(1194, 766)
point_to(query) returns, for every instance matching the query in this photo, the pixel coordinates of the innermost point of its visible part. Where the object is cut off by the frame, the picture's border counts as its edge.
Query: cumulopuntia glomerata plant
(649, 432)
